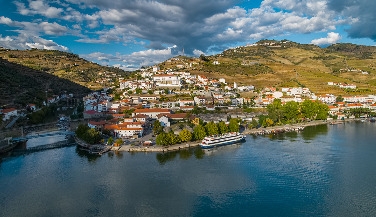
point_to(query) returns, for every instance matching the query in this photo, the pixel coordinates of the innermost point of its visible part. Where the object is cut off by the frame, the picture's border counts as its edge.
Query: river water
(322, 171)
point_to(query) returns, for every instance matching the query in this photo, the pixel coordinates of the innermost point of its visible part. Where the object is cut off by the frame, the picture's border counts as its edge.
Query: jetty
(97, 149)
(60, 144)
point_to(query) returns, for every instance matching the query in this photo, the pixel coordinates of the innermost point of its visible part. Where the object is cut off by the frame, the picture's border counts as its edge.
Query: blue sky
(134, 33)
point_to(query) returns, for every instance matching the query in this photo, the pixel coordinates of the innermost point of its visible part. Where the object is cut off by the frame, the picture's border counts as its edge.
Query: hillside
(20, 85)
(63, 65)
(289, 64)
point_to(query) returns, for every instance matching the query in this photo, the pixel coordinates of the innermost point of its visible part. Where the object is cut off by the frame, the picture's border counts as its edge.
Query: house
(237, 101)
(92, 114)
(333, 110)
(118, 116)
(163, 120)
(31, 107)
(140, 118)
(178, 116)
(98, 125)
(186, 102)
(121, 131)
(166, 80)
(151, 113)
(8, 113)
(327, 98)
(199, 100)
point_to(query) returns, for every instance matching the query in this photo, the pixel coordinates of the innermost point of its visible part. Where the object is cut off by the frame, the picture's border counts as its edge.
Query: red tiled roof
(152, 110)
(91, 112)
(97, 122)
(8, 110)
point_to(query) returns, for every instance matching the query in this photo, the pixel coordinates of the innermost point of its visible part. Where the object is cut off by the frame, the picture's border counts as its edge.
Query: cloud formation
(331, 38)
(162, 26)
(362, 15)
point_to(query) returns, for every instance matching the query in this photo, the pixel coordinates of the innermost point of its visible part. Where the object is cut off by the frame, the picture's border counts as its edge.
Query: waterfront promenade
(155, 148)
(259, 131)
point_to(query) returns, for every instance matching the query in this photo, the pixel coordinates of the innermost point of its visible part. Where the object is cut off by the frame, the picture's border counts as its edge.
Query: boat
(221, 140)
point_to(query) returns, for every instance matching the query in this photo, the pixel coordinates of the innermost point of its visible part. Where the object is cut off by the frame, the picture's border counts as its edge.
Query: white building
(166, 80)
(156, 68)
(151, 113)
(327, 98)
(8, 113)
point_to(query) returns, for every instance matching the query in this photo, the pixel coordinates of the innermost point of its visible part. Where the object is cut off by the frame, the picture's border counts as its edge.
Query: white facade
(164, 121)
(166, 81)
(8, 113)
(328, 98)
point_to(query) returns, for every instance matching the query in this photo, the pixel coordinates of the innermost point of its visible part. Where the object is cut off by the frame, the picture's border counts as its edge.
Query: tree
(291, 111)
(161, 139)
(254, 123)
(339, 98)
(322, 111)
(308, 109)
(81, 130)
(268, 122)
(138, 90)
(110, 141)
(211, 128)
(261, 120)
(118, 141)
(185, 135)
(233, 126)
(275, 110)
(157, 127)
(166, 139)
(199, 132)
(222, 127)
(92, 136)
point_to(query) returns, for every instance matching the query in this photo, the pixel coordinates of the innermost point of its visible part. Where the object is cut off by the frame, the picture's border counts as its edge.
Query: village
(129, 109)
(171, 97)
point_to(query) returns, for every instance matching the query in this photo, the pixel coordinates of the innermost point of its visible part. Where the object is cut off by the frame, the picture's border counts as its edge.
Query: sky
(132, 33)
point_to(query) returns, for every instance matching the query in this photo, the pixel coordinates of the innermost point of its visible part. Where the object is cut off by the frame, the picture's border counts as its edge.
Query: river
(326, 170)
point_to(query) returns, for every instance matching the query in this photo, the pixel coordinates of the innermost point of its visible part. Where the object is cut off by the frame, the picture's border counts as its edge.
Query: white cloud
(197, 26)
(53, 28)
(38, 7)
(5, 39)
(197, 52)
(134, 60)
(23, 41)
(5, 20)
(331, 38)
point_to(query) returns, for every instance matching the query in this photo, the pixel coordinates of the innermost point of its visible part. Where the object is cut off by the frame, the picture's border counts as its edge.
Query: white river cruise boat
(220, 140)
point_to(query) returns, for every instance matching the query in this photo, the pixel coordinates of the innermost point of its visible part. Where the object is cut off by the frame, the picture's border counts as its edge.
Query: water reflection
(165, 157)
(292, 136)
(85, 154)
(311, 132)
(184, 154)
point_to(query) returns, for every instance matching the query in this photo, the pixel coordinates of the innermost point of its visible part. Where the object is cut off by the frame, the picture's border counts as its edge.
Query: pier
(42, 134)
(61, 144)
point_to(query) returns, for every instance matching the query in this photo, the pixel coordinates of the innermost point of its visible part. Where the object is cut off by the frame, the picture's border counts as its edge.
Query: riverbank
(154, 148)
(260, 131)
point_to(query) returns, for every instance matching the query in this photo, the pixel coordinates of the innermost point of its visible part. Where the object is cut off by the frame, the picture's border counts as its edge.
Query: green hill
(62, 64)
(290, 64)
(20, 85)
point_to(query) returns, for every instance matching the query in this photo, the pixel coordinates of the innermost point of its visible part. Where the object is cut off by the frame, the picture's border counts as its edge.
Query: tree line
(199, 132)
(292, 112)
